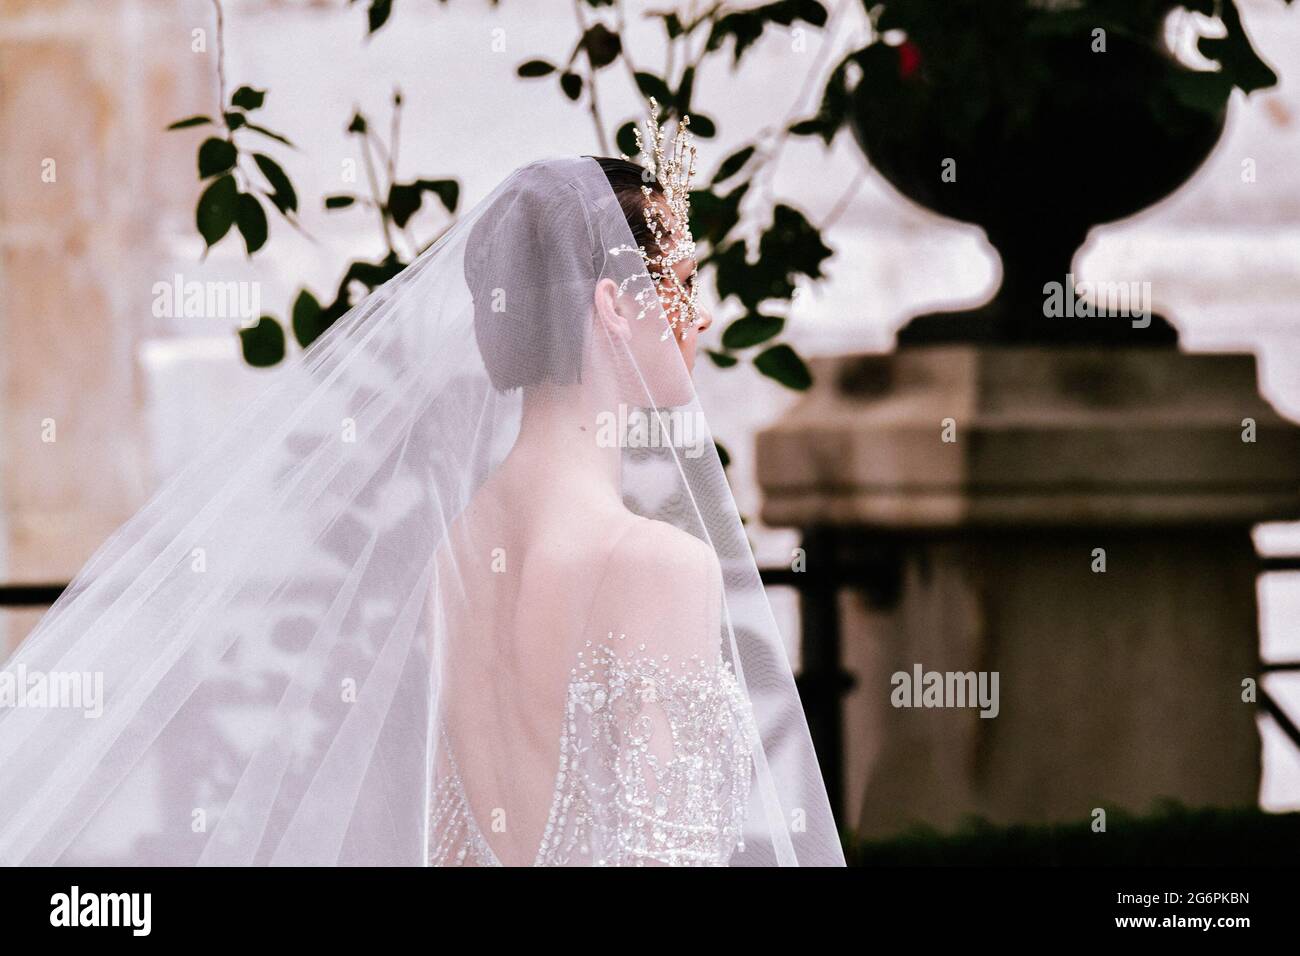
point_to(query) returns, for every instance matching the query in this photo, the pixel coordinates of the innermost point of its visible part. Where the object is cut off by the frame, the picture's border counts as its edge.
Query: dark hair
(626, 179)
(525, 323)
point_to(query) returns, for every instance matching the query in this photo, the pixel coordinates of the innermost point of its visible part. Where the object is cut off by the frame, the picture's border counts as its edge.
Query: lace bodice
(654, 768)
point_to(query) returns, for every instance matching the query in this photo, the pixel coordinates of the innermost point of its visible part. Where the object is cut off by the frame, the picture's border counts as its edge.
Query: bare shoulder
(662, 588)
(656, 548)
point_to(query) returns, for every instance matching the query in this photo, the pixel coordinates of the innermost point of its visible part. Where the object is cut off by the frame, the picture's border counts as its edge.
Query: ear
(607, 313)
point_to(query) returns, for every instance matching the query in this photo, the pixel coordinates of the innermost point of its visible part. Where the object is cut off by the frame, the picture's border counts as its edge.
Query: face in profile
(676, 284)
(684, 331)
(661, 342)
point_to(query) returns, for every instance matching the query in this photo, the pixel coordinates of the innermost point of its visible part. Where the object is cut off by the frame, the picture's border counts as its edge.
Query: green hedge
(1173, 836)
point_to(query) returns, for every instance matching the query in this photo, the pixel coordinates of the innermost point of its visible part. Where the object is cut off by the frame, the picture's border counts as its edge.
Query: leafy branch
(759, 273)
(394, 203)
(231, 196)
(236, 176)
(762, 277)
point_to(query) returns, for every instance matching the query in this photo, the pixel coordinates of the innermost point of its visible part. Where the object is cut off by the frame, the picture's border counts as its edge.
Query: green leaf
(447, 191)
(404, 201)
(651, 85)
(216, 156)
(812, 12)
(685, 90)
(808, 127)
(309, 320)
(744, 26)
(626, 138)
(601, 44)
(378, 14)
(724, 456)
(358, 124)
(270, 135)
(535, 68)
(371, 274)
(215, 213)
(782, 11)
(702, 126)
(733, 164)
(721, 359)
(247, 98)
(283, 195)
(234, 119)
(251, 219)
(782, 364)
(339, 202)
(263, 344)
(571, 83)
(788, 248)
(713, 216)
(752, 330)
(836, 97)
(190, 121)
(1233, 51)
(793, 241)
(733, 275)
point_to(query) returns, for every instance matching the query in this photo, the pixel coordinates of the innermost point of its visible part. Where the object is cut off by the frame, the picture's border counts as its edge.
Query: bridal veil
(350, 633)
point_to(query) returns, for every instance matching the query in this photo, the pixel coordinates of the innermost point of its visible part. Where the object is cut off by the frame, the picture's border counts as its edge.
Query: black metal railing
(1276, 564)
(823, 682)
(29, 595)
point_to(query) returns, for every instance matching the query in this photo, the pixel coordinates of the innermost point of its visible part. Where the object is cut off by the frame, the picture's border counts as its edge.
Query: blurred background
(103, 222)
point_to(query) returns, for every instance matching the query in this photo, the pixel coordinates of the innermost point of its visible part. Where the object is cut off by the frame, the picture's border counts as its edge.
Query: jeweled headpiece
(668, 217)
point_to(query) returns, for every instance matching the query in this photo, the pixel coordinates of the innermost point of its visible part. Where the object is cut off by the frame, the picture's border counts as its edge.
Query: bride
(420, 606)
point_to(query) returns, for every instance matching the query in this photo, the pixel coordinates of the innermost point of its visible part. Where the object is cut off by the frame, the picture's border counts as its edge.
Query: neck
(557, 440)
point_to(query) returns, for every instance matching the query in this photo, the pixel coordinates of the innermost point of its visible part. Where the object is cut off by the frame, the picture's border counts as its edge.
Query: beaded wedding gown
(643, 740)
(654, 767)
(426, 602)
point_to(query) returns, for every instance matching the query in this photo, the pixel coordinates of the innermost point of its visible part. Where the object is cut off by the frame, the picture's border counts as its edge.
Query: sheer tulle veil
(354, 586)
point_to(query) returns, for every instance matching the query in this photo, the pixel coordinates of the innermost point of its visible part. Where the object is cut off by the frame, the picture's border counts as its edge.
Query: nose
(704, 320)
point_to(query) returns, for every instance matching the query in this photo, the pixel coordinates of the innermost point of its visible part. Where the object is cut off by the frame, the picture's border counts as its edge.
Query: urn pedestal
(1076, 520)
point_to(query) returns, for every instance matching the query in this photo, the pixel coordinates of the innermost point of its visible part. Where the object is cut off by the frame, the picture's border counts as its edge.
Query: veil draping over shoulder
(466, 584)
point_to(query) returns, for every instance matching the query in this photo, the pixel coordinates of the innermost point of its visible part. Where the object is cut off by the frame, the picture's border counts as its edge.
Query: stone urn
(1036, 135)
(1065, 503)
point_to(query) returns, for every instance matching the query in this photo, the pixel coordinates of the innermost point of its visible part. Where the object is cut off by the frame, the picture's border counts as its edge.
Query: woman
(460, 588)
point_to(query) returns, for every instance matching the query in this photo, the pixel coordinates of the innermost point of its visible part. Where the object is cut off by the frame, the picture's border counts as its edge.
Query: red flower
(909, 58)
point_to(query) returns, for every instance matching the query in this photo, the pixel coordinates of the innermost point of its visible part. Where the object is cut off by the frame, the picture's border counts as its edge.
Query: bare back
(524, 590)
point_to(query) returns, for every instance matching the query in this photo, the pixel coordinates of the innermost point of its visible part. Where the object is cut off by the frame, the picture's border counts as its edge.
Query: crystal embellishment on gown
(654, 768)
(454, 837)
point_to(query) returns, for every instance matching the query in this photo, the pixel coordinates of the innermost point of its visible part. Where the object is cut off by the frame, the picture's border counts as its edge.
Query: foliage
(761, 269)
(1172, 835)
(394, 202)
(230, 198)
(761, 276)
(981, 47)
(760, 272)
